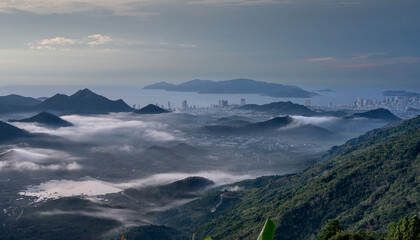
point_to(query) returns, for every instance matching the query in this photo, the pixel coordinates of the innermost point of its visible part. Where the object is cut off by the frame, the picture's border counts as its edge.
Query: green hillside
(366, 184)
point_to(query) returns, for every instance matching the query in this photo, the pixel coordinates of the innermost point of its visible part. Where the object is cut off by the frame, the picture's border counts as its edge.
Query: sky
(357, 43)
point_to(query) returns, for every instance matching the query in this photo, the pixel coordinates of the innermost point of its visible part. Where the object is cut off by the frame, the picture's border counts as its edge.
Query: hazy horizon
(328, 42)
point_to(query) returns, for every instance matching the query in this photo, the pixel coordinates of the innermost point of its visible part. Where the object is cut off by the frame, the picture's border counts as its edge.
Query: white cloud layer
(92, 187)
(107, 130)
(37, 159)
(63, 43)
(137, 8)
(99, 39)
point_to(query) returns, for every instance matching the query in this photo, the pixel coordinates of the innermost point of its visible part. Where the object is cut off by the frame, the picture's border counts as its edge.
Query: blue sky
(304, 42)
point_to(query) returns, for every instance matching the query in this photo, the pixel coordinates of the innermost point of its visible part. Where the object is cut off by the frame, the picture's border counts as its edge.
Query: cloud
(313, 120)
(37, 159)
(93, 187)
(135, 8)
(124, 216)
(46, 7)
(235, 2)
(366, 60)
(66, 188)
(99, 39)
(58, 41)
(320, 59)
(63, 43)
(106, 130)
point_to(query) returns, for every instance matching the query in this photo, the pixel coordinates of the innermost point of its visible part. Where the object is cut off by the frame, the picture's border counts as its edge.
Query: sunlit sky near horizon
(303, 42)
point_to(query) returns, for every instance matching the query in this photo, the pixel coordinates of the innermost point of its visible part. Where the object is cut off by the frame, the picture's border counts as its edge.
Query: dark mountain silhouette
(181, 189)
(232, 122)
(235, 86)
(400, 93)
(17, 103)
(325, 90)
(380, 113)
(9, 132)
(283, 108)
(278, 125)
(46, 119)
(84, 101)
(17, 100)
(151, 109)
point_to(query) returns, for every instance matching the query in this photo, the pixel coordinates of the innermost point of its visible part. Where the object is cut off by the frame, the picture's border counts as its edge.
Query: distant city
(402, 106)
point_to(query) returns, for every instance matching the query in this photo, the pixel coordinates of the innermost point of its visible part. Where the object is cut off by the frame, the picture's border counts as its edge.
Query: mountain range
(83, 101)
(235, 86)
(367, 183)
(276, 126)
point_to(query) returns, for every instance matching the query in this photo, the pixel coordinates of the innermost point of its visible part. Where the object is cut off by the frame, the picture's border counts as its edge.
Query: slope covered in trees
(366, 184)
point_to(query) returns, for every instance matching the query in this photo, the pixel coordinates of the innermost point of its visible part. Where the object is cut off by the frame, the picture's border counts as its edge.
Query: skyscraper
(184, 105)
(243, 101)
(223, 103)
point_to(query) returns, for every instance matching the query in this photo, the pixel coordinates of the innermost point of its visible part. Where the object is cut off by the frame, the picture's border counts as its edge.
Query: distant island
(325, 90)
(235, 86)
(400, 93)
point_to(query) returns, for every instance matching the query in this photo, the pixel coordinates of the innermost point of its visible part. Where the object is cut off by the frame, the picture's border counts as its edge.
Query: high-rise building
(307, 102)
(223, 103)
(184, 105)
(169, 105)
(243, 101)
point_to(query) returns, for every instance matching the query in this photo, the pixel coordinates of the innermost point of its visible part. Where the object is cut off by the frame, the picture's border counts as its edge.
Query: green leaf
(267, 233)
(208, 238)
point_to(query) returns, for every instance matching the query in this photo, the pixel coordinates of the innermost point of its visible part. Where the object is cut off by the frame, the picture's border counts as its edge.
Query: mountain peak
(151, 109)
(84, 93)
(47, 119)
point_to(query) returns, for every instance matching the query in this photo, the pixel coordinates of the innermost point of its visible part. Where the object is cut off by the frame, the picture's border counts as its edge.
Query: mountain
(46, 119)
(151, 232)
(17, 103)
(9, 132)
(84, 101)
(151, 109)
(17, 100)
(367, 183)
(400, 93)
(280, 108)
(380, 113)
(281, 126)
(325, 90)
(235, 86)
(190, 187)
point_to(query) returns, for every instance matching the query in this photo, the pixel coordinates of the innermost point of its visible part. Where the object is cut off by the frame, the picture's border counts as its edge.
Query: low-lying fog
(108, 154)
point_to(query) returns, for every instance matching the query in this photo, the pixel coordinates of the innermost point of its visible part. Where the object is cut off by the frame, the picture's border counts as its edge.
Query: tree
(405, 229)
(331, 229)
(360, 235)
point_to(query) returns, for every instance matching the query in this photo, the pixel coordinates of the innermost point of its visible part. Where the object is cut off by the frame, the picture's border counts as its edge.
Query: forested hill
(366, 184)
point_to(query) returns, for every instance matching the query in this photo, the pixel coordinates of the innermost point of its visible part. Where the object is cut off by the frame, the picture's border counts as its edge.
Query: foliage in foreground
(370, 182)
(405, 229)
